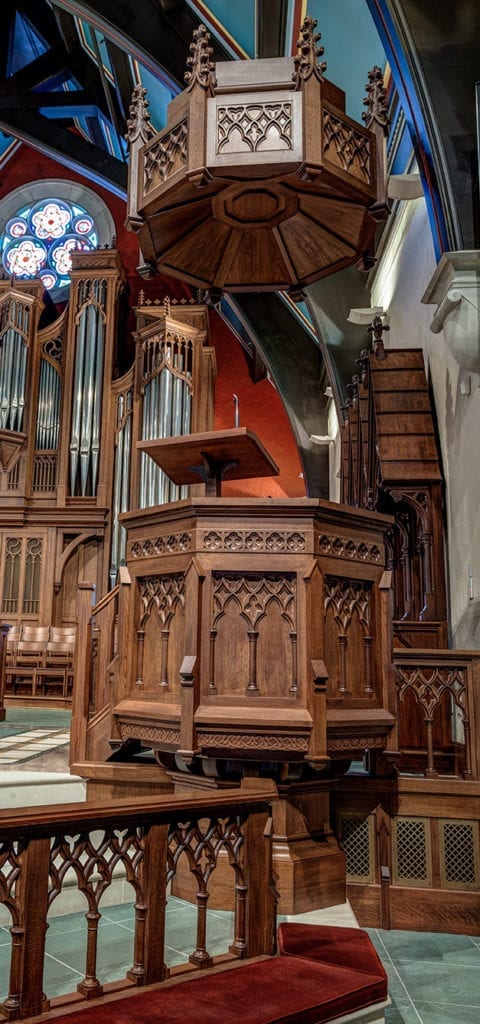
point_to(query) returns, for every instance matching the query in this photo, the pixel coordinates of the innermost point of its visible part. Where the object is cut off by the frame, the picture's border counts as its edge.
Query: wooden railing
(101, 657)
(227, 834)
(438, 712)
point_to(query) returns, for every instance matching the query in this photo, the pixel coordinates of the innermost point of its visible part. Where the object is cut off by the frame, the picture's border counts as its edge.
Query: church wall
(261, 410)
(405, 268)
(62, 568)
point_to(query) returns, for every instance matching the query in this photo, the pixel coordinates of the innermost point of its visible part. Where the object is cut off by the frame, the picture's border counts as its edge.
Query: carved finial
(202, 68)
(166, 305)
(141, 297)
(306, 60)
(376, 329)
(376, 101)
(139, 125)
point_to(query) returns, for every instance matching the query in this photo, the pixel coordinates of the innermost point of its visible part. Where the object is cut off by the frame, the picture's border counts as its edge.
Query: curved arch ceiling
(69, 94)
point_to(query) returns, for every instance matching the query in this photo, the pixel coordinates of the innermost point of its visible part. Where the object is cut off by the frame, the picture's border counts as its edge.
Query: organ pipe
(121, 483)
(166, 389)
(48, 407)
(13, 365)
(86, 417)
(77, 401)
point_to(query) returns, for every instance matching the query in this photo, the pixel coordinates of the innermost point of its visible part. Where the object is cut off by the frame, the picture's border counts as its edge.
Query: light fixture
(321, 439)
(404, 186)
(366, 316)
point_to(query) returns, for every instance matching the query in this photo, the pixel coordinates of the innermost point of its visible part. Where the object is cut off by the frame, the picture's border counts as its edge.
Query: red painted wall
(28, 165)
(261, 408)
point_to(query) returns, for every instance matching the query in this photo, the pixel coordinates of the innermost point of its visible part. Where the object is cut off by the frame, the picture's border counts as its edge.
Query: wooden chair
(30, 656)
(59, 659)
(12, 644)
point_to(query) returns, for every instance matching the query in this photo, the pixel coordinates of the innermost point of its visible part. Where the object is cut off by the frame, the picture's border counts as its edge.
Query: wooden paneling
(390, 462)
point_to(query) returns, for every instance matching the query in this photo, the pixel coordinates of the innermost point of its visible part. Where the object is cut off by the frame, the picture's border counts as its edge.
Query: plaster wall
(405, 267)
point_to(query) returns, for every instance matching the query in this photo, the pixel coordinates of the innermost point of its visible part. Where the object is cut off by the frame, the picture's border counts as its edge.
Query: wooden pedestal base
(308, 864)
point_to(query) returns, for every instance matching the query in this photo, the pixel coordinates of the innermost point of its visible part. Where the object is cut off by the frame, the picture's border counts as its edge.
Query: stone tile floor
(35, 738)
(434, 978)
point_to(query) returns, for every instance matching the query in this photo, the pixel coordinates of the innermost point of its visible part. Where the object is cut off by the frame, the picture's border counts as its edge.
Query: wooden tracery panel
(253, 627)
(349, 636)
(160, 636)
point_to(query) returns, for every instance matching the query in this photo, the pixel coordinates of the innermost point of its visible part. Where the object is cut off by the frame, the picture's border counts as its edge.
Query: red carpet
(319, 974)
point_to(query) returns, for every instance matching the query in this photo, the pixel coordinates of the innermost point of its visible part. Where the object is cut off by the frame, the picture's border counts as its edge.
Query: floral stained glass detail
(40, 238)
(25, 258)
(50, 221)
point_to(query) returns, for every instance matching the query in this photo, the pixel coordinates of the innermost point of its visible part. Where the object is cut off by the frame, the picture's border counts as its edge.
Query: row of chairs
(39, 660)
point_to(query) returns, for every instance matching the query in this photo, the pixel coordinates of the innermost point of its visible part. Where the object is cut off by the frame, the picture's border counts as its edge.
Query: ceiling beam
(124, 84)
(62, 100)
(271, 28)
(67, 147)
(153, 35)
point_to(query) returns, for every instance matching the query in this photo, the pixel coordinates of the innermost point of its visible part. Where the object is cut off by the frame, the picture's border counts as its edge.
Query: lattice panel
(459, 854)
(411, 853)
(356, 837)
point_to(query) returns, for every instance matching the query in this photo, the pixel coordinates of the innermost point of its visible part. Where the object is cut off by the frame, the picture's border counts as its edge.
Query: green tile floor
(433, 978)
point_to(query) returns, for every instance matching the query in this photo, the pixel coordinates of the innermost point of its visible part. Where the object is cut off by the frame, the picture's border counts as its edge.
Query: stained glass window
(40, 238)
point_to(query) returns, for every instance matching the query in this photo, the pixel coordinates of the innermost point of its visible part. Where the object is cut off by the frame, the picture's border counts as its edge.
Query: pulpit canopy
(259, 180)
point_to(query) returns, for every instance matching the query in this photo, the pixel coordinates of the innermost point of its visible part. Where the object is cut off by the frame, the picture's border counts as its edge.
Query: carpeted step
(319, 974)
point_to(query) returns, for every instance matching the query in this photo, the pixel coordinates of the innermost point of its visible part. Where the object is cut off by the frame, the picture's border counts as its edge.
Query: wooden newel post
(388, 694)
(123, 661)
(33, 899)
(257, 869)
(149, 966)
(82, 673)
(188, 739)
(317, 755)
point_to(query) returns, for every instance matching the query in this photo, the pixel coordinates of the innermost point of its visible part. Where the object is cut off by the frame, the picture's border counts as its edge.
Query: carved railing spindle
(201, 957)
(137, 971)
(11, 1006)
(90, 987)
(239, 944)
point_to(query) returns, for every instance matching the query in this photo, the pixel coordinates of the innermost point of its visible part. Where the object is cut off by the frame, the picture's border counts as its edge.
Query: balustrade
(39, 850)
(437, 712)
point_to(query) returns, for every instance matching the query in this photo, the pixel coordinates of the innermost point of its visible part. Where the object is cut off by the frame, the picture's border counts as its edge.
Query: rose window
(40, 238)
